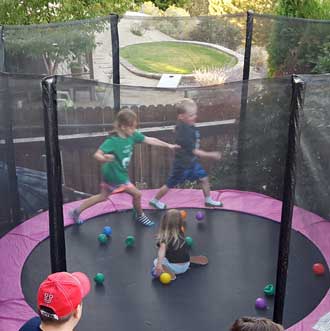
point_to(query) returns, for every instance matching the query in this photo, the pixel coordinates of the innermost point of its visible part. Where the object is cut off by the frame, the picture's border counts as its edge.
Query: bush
(217, 31)
(149, 8)
(211, 76)
(137, 29)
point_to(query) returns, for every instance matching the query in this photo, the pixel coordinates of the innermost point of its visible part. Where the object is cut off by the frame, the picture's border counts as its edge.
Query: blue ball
(107, 230)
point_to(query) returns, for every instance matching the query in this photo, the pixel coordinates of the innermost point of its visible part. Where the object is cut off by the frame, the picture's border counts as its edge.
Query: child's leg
(201, 260)
(93, 200)
(136, 196)
(206, 190)
(155, 201)
(169, 271)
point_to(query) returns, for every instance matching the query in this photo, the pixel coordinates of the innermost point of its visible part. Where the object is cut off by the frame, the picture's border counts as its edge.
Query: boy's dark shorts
(181, 174)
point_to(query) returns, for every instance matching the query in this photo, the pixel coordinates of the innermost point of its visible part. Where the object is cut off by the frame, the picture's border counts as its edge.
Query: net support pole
(296, 107)
(10, 159)
(54, 176)
(115, 60)
(2, 50)
(244, 97)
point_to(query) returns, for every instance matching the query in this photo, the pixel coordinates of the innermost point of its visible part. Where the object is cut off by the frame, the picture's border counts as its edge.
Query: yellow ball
(165, 278)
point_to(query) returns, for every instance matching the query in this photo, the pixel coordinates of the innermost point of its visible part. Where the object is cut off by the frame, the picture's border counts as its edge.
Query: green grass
(175, 58)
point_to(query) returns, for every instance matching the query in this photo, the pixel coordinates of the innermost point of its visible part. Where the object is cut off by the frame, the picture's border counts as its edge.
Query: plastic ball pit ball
(107, 230)
(269, 290)
(261, 304)
(99, 278)
(183, 214)
(130, 241)
(318, 269)
(102, 238)
(165, 278)
(189, 241)
(199, 216)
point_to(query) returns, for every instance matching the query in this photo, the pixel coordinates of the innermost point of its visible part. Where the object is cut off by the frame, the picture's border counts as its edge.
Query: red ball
(318, 269)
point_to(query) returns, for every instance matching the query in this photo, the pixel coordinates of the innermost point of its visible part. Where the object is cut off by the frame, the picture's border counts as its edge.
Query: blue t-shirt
(32, 325)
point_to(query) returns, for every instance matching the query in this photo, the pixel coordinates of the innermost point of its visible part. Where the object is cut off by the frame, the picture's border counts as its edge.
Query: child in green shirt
(115, 154)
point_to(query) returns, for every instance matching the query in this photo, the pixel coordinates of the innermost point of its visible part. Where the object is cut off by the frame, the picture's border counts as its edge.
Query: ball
(199, 216)
(261, 303)
(189, 241)
(318, 269)
(99, 278)
(102, 238)
(130, 241)
(183, 214)
(269, 290)
(165, 278)
(107, 230)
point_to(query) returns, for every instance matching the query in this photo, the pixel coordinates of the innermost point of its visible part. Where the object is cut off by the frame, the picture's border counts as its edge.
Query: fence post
(115, 61)
(54, 176)
(244, 97)
(296, 107)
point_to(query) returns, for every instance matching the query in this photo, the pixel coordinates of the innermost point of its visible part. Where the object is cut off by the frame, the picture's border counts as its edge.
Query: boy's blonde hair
(255, 324)
(185, 105)
(171, 229)
(125, 117)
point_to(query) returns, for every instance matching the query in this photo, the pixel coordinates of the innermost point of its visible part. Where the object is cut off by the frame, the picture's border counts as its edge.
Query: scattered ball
(165, 278)
(269, 290)
(261, 303)
(183, 214)
(199, 216)
(102, 238)
(130, 241)
(107, 230)
(99, 278)
(318, 269)
(189, 241)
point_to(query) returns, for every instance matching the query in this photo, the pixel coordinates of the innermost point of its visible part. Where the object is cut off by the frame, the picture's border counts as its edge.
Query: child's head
(126, 122)
(171, 228)
(255, 324)
(187, 111)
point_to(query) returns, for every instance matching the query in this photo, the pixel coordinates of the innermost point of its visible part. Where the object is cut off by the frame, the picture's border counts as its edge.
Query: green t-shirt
(116, 172)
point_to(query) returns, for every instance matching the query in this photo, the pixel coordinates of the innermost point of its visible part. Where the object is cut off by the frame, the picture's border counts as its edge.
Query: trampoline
(241, 242)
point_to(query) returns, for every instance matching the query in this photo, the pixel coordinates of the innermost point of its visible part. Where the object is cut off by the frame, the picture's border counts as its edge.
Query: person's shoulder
(138, 136)
(32, 325)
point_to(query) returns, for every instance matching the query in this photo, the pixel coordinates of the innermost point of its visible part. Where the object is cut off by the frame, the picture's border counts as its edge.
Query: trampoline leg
(200, 260)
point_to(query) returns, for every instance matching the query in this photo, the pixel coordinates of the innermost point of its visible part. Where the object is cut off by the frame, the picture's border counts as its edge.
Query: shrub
(211, 76)
(137, 29)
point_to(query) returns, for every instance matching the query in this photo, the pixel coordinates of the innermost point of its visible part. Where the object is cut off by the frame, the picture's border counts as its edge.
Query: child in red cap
(59, 302)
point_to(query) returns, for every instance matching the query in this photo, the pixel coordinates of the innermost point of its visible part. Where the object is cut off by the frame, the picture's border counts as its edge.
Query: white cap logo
(48, 298)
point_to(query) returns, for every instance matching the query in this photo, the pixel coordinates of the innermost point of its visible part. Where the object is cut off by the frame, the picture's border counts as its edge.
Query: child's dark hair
(248, 323)
(47, 316)
(185, 105)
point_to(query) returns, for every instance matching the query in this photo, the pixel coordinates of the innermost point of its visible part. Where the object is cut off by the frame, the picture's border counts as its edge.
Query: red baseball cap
(62, 292)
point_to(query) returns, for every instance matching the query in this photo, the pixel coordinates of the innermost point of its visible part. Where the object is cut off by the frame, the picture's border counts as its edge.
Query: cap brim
(84, 281)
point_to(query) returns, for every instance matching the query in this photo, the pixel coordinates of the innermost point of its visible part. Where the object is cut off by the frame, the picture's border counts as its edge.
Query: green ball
(269, 290)
(99, 278)
(130, 241)
(189, 241)
(102, 238)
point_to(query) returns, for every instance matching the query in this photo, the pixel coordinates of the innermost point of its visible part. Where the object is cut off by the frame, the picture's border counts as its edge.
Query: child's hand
(215, 155)
(159, 270)
(109, 157)
(173, 147)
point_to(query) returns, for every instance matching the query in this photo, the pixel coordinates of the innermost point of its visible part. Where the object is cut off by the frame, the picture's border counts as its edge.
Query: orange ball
(183, 214)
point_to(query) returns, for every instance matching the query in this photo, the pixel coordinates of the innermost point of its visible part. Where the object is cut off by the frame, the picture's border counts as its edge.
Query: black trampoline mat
(242, 251)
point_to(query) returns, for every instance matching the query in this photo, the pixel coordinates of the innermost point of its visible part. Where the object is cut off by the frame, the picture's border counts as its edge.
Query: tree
(55, 43)
(164, 4)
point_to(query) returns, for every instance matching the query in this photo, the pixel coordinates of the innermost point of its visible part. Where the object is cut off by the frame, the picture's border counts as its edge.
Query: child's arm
(208, 155)
(161, 254)
(102, 157)
(158, 142)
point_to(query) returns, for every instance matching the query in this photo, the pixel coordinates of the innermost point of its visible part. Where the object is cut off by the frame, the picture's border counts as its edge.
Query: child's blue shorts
(180, 174)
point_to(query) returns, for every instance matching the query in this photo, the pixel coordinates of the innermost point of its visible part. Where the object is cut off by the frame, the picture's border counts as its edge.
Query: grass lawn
(175, 58)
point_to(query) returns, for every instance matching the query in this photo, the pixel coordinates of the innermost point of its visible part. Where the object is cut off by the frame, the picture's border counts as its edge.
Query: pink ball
(261, 303)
